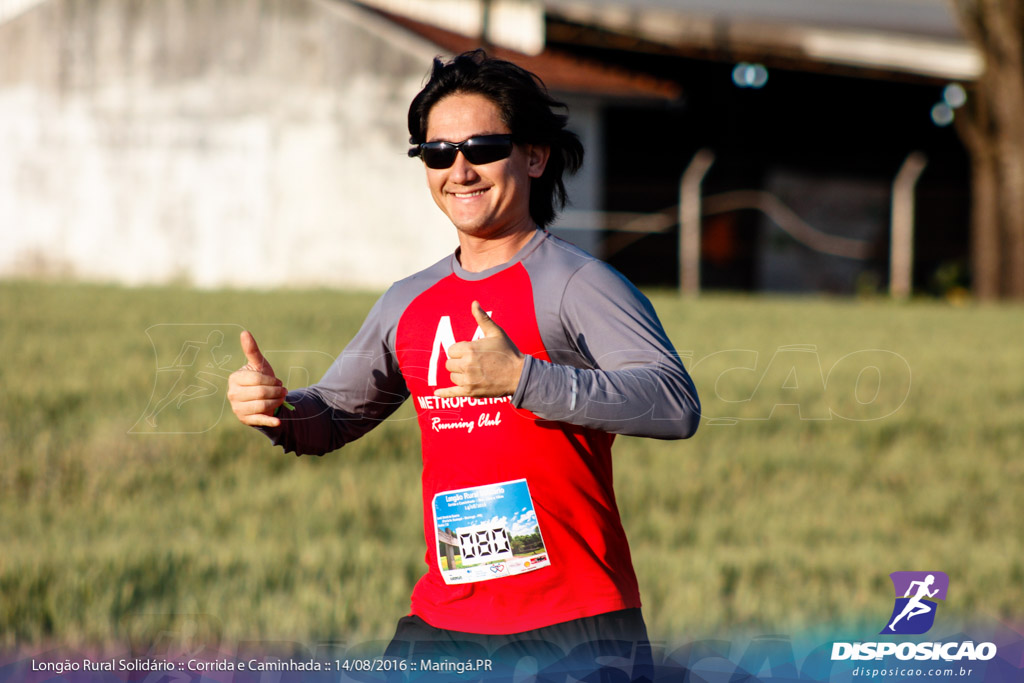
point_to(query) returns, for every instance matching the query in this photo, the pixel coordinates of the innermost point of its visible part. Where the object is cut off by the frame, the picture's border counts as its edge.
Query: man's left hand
(484, 368)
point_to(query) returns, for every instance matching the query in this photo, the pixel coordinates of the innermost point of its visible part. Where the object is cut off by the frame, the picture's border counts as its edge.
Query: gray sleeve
(362, 387)
(615, 369)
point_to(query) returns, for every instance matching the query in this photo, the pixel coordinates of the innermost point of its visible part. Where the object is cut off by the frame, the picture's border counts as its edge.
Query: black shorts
(607, 648)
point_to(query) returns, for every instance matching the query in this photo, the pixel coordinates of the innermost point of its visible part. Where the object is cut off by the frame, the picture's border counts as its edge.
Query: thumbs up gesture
(254, 391)
(487, 367)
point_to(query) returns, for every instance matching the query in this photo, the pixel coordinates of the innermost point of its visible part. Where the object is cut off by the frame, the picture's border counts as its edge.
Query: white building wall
(581, 222)
(219, 143)
(516, 24)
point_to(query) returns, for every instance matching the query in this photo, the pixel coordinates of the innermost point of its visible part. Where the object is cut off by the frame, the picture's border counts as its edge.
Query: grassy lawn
(842, 440)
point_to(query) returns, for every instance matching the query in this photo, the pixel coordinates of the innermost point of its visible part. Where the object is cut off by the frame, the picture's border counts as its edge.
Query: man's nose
(462, 171)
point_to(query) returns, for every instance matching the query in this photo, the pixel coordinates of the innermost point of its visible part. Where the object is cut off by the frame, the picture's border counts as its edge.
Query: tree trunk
(986, 257)
(993, 131)
(974, 125)
(1011, 205)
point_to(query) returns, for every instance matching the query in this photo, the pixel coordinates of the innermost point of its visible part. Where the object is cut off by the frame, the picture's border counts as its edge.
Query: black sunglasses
(480, 149)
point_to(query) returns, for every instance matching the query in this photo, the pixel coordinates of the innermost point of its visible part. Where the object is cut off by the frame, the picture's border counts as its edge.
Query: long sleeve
(615, 369)
(362, 388)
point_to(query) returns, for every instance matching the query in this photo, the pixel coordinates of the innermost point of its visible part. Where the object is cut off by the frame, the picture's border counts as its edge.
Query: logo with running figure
(917, 597)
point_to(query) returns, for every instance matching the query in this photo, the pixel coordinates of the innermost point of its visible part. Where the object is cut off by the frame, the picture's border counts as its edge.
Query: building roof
(915, 37)
(560, 70)
(931, 18)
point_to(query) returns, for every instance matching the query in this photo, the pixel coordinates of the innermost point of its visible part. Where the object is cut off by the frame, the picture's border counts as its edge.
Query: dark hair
(526, 108)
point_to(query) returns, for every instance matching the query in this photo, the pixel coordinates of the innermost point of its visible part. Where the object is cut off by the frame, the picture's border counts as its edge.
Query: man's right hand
(254, 390)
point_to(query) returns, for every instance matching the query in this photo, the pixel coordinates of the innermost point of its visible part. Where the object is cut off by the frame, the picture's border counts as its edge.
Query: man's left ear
(537, 159)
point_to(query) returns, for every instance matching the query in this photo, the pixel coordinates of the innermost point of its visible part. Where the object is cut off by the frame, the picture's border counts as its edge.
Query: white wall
(581, 222)
(216, 143)
(516, 24)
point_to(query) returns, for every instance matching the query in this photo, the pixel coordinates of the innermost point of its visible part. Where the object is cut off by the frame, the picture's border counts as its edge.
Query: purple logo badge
(917, 597)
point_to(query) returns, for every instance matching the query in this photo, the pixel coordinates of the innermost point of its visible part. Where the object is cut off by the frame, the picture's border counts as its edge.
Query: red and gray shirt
(520, 519)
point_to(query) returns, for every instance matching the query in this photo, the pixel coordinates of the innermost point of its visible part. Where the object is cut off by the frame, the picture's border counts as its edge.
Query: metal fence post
(689, 221)
(901, 245)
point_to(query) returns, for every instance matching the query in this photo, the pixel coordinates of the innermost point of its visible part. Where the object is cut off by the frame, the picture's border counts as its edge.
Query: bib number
(487, 532)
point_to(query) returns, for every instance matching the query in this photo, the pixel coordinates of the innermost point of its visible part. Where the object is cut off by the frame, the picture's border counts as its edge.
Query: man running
(524, 357)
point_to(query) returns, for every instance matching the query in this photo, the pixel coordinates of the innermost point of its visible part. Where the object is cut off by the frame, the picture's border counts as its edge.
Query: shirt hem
(512, 627)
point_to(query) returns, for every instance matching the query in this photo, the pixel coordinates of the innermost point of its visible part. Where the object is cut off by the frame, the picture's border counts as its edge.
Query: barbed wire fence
(686, 218)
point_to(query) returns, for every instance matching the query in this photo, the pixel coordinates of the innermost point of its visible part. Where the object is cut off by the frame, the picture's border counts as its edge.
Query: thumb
(489, 327)
(253, 355)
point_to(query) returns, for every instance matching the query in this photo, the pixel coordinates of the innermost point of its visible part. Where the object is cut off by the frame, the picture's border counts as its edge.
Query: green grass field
(113, 529)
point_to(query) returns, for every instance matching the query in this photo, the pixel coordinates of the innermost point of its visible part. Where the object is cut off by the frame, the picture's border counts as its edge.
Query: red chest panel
(467, 442)
(441, 316)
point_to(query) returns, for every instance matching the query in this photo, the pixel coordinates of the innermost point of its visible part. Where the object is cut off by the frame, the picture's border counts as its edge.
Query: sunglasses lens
(482, 149)
(438, 154)
(485, 149)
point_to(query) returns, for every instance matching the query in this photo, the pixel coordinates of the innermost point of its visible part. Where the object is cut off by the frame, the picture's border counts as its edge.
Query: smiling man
(524, 357)
(487, 202)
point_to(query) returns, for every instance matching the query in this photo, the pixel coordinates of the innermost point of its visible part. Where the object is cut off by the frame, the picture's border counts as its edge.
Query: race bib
(487, 532)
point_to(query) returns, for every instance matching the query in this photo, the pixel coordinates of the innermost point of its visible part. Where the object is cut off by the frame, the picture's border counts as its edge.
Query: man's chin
(474, 227)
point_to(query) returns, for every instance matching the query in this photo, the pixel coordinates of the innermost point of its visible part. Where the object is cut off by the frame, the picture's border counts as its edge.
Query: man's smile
(467, 195)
